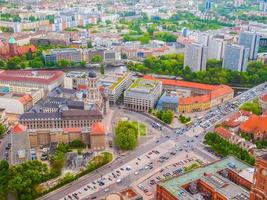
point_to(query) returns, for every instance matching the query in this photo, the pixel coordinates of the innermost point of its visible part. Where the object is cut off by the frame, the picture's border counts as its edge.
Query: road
(215, 116)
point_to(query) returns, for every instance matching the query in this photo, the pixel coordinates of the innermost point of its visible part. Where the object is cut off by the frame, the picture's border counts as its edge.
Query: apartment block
(196, 56)
(235, 57)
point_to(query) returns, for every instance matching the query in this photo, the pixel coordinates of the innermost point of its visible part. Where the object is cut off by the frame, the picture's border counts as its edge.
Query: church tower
(94, 96)
(12, 44)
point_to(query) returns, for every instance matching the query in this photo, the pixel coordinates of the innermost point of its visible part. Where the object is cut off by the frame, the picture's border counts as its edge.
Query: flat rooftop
(143, 86)
(174, 185)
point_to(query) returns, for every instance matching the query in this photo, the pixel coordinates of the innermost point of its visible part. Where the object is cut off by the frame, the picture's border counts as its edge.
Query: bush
(184, 119)
(165, 116)
(76, 144)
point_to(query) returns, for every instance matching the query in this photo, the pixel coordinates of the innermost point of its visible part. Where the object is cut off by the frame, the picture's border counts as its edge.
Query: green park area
(127, 134)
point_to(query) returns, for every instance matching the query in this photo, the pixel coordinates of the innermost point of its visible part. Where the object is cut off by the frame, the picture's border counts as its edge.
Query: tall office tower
(196, 56)
(250, 40)
(259, 185)
(203, 38)
(263, 6)
(207, 5)
(238, 3)
(235, 57)
(215, 48)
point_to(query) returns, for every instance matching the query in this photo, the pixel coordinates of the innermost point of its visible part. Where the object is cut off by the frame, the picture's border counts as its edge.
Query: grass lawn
(142, 128)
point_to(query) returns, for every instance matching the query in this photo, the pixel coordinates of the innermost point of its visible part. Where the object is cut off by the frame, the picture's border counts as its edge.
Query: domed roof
(92, 74)
(12, 40)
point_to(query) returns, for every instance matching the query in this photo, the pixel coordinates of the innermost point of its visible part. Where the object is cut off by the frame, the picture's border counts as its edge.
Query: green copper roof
(12, 40)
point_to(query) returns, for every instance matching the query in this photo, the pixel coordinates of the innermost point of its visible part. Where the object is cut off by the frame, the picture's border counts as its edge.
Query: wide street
(182, 136)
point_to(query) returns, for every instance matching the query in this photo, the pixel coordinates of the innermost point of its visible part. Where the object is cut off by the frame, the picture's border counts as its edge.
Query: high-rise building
(203, 38)
(250, 40)
(238, 3)
(215, 48)
(207, 5)
(235, 57)
(196, 56)
(263, 6)
(259, 185)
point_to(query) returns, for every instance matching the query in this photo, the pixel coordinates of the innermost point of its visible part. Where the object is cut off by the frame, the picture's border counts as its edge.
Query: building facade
(250, 40)
(259, 186)
(196, 56)
(69, 54)
(63, 119)
(235, 57)
(45, 79)
(142, 95)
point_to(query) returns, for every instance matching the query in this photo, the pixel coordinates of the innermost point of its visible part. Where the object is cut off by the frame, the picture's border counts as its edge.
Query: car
(106, 190)
(94, 197)
(146, 167)
(136, 173)
(128, 167)
(85, 189)
(118, 180)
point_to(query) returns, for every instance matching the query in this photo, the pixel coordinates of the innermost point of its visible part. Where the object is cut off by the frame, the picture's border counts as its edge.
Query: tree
(24, 177)
(108, 22)
(167, 116)
(126, 135)
(97, 59)
(102, 69)
(13, 63)
(4, 176)
(2, 129)
(89, 45)
(213, 63)
(127, 140)
(2, 64)
(83, 63)
(123, 56)
(63, 63)
(252, 106)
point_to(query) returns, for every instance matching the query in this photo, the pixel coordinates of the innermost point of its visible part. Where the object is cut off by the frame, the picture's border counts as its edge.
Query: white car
(136, 173)
(118, 180)
(106, 190)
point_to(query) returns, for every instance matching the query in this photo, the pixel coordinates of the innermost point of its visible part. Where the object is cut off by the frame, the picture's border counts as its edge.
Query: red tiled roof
(19, 128)
(195, 99)
(182, 83)
(97, 129)
(223, 132)
(25, 49)
(43, 76)
(264, 98)
(73, 129)
(82, 87)
(25, 99)
(215, 90)
(255, 124)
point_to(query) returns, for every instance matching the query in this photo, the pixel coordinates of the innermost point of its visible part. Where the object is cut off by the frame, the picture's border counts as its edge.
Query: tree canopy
(126, 137)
